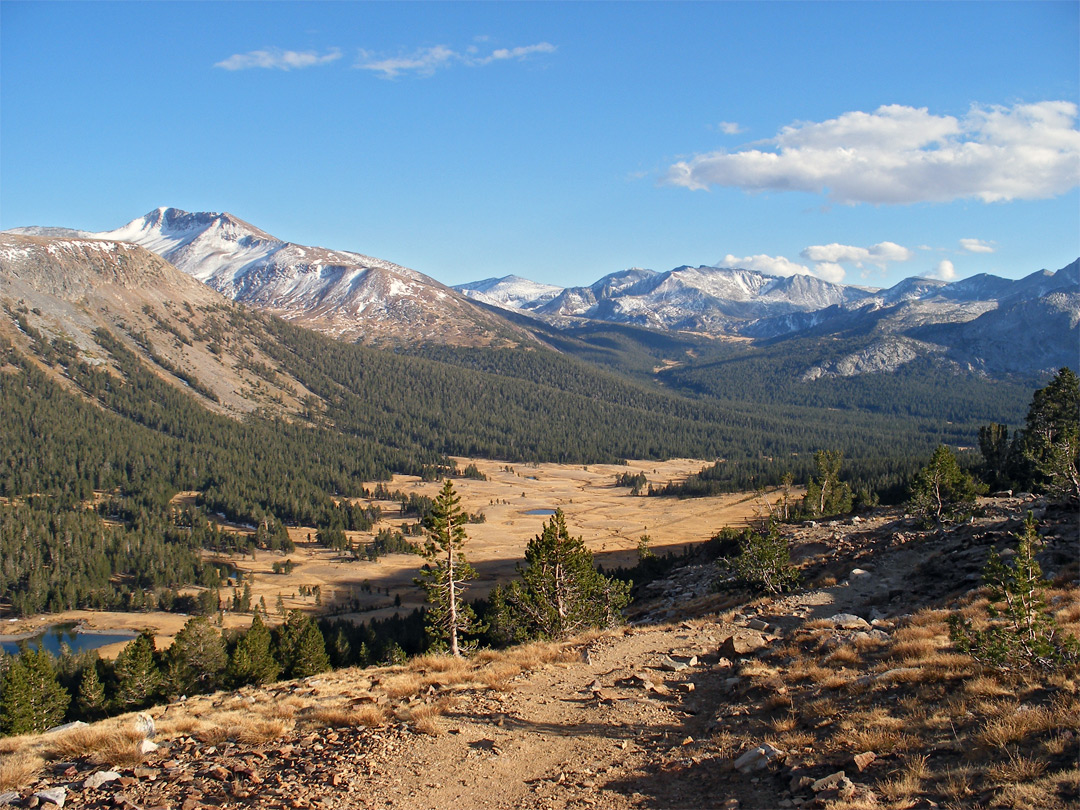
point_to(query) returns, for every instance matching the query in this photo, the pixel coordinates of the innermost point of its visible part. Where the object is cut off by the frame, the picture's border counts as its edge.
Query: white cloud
(426, 61)
(944, 271)
(829, 260)
(503, 54)
(829, 271)
(879, 255)
(275, 58)
(976, 246)
(901, 155)
(772, 265)
(423, 62)
(729, 128)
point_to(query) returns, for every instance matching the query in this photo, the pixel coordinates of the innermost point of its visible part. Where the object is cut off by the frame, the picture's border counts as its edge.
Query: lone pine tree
(443, 577)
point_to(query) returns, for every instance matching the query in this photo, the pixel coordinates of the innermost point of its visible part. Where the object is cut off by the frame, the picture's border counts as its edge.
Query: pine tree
(311, 657)
(1022, 631)
(31, 698)
(1050, 442)
(560, 592)
(942, 490)
(91, 699)
(764, 562)
(138, 679)
(196, 659)
(301, 647)
(826, 494)
(252, 660)
(449, 616)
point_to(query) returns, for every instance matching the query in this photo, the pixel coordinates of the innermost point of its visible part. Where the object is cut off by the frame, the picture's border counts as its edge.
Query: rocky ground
(684, 707)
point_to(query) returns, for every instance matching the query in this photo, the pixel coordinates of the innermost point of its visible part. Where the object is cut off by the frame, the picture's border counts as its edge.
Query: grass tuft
(18, 769)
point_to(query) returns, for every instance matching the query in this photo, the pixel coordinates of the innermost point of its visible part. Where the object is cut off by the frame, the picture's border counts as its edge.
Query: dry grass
(254, 730)
(367, 716)
(807, 670)
(104, 744)
(785, 723)
(1016, 768)
(959, 783)
(17, 769)
(407, 684)
(820, 708)
(845, 656)
(425, 718)
(499, 676)
(982, 686)
(726, 744)
(1016, 725)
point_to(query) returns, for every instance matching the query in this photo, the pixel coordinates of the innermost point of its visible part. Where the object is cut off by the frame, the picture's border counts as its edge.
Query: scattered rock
(848, 621)
(831, 781)
(96, 780)
(66, 727)
(147, 747)
(757, 759)
(738, 646)
(669, 664)
(9, 798)
(862, 761)
(56, 795)
(144, 725)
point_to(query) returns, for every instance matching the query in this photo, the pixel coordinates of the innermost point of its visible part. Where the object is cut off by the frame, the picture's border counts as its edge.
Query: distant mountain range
(986, 324)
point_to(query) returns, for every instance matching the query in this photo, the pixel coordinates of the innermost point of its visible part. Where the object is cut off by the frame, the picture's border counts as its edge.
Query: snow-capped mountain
(510, 292)
(970, 323)
(345, 294)
(702, 299)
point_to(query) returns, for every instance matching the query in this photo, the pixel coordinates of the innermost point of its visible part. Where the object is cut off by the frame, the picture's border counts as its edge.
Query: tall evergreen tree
(91, 699)
(1050, 443)
(560, 592)
(443, 577)
(31, 698)
(138, 679)
(301, 647)
(252, 660)
(311, 657)
(195, 661)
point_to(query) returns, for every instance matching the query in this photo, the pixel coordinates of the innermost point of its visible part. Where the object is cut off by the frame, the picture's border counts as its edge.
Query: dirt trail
(638, 719)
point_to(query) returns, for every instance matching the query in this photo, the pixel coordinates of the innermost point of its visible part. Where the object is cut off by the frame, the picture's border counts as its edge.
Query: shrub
(764, 563)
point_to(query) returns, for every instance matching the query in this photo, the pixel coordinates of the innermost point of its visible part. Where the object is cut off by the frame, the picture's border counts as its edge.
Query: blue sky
(862, 142)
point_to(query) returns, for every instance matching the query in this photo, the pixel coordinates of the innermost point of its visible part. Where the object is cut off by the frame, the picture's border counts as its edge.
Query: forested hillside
(124, 406)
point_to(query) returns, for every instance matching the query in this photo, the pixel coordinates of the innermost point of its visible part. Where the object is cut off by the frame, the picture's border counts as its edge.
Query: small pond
(59, 634)
(545, 512)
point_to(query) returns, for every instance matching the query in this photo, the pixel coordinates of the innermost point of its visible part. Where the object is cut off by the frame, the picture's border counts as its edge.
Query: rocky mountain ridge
(344, 294)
